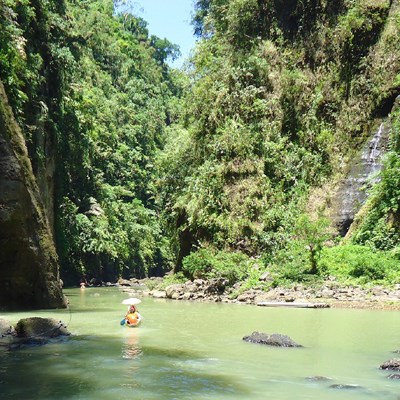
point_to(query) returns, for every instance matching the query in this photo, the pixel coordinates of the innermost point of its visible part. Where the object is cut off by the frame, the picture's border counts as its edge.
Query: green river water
(186, 350)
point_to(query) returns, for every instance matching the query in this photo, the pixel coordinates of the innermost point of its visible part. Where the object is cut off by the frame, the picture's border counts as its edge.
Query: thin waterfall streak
(374, 152)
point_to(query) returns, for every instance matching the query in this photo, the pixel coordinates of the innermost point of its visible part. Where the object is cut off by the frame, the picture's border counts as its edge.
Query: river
(186, 350)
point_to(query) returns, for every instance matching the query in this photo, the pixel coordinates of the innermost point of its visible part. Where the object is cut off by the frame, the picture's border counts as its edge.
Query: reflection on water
(195, 351)
(130, 348)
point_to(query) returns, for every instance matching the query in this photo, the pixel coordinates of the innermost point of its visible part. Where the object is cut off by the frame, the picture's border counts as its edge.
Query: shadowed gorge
(233, 167)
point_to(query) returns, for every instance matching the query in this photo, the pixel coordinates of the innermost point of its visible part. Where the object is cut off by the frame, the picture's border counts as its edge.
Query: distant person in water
(83, 282)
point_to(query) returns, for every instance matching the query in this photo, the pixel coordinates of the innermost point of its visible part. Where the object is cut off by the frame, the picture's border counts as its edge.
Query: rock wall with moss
(92, 93)
(29, 270)
(283, 95)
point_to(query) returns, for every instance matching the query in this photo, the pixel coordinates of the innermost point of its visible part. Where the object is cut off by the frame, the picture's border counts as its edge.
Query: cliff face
(29, 271)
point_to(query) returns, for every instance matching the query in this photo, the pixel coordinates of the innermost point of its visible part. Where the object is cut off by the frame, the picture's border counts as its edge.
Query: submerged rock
(318, 378)
(394, 376)
(274, 339)
(344, 386)
(393, 364)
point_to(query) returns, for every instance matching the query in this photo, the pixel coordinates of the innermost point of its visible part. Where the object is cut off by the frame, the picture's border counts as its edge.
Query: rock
(94, 208)
(36, 327)
(394, 376)
(274, 339)
(266, 277)
(393, 364)
(318, 378)
(216, 286)
(176, 296)
(124, 282)
(159, 294)
(7, 333)
(174, 291)
(246, 297)
(35, 331)
(95, 282)
(6, 328)
(344, 386)
(29, 269)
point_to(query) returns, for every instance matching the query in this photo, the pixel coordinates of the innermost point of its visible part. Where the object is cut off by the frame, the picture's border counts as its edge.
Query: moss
(28, 260)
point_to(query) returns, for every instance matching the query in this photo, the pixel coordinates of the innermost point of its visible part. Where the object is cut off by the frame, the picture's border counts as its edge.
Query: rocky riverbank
(329, 294)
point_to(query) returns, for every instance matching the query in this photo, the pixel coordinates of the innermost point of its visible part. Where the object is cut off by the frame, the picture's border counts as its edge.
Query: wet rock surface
(6, 328)
(393, 365)
(394, 376)
(29, 269)
(32, 331)
(344, 386)
(274, 339)
(318, 378)
(40, 327)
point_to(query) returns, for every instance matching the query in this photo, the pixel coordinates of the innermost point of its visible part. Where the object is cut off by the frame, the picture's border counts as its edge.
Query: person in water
(131, 309)
(133, 315)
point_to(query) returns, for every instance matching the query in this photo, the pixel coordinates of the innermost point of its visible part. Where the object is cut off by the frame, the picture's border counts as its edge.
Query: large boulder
(36, 330)
(174, 291)
(31, 332)
(274, 339)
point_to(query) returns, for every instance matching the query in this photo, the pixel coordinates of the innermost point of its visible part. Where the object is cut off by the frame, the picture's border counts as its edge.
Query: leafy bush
(361, 263)
(206, 264)
(167, 280)
(299, 259)
(291, 264)
(173, 279)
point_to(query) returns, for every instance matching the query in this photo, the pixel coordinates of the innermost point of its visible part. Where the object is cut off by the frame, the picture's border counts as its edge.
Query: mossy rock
(274, 339)
(37, 327)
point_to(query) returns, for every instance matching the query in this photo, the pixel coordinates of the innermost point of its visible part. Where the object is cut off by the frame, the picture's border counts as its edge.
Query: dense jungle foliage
(211, 170)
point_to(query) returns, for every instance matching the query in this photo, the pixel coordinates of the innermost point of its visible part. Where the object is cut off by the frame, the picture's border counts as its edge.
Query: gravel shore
(330, 294)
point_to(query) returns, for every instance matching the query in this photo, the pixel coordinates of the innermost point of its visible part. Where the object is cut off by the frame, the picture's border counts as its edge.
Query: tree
(313, 234)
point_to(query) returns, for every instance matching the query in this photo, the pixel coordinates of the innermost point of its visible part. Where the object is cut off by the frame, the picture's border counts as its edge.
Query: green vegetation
(282, 94)
(145, 169)
(204, 264)
(360, 264)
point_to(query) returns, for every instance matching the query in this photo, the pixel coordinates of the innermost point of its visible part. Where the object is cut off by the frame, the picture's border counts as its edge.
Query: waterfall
(353, 190)
(375, 149)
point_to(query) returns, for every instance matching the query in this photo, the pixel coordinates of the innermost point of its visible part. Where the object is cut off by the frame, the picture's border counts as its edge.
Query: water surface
(186, 350)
